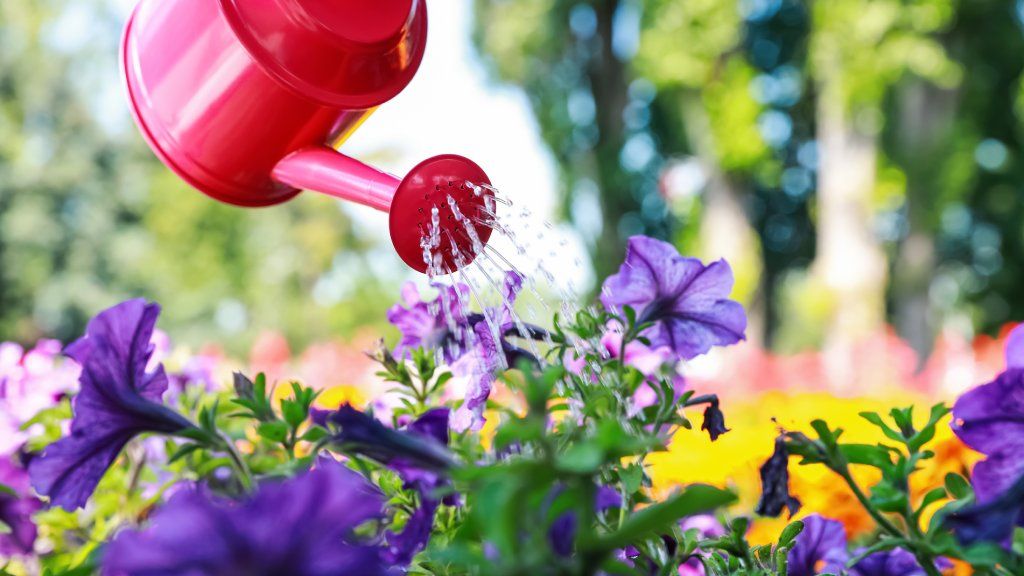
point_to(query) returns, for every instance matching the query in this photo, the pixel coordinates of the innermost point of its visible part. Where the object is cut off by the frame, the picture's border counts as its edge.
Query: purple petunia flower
(417, 453)
(302, 527)
(475, 345)
(441, 324)
(490, 352)
(16, 511)
(687, 301)
(414, 453)
(895, 562)
(819, 549)
(990, 419)
(562, 533)
(118, 400)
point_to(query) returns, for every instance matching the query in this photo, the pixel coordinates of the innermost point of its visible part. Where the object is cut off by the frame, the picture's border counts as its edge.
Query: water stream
(520, 244)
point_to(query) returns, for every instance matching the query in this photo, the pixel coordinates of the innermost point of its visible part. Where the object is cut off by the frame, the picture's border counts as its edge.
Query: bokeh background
(859, 162)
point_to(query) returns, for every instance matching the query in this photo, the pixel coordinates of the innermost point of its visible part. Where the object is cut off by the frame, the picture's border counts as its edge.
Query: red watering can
(246, 100)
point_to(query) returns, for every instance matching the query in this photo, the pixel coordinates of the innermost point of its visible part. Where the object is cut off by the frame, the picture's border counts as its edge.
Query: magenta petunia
(304, 526)
(118, 400)
(687, 301)
(16, 510)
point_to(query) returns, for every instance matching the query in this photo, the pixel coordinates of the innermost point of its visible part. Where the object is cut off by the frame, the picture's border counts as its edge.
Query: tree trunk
(725, 228)
(926, 117)
(850, 263)
(610, 87)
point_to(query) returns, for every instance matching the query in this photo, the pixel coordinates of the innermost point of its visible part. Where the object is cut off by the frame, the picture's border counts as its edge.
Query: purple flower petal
(438, 324)
(820, 548)
(118, 400)
(687, 301)
(470, 415)
(895, 562)
(405, 545)
(16, 511)
(401, 450)
(996, 474)
(990, 418)
(1015, 348)
(303, 527)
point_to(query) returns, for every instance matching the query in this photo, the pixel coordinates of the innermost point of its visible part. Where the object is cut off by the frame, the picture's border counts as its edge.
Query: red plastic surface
(225, 89)
(428, 185)
(242, 97)
(328, 171)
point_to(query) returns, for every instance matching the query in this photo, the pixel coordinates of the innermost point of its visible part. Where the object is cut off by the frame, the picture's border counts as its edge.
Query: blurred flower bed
(764, 391)
(450, 451)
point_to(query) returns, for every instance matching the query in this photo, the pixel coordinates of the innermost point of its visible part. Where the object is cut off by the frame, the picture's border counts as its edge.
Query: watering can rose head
(247, 102)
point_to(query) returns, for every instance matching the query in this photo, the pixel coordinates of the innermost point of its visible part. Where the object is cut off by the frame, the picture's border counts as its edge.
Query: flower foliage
(502, 448)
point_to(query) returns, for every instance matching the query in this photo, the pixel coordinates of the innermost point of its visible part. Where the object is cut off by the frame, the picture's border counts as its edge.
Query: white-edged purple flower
(304, 526)
(819, 549)
(16, 510)
(118, 400)
(687, 301)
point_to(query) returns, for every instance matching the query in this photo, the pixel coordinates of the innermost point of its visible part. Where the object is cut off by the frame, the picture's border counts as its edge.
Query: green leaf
(294, 412)
(790, 532)
(926, 434)
(660, 517)
(889, 432)
(314, 434)
(582, 458)
(958, 486)
(632, 478)
(868, 454)
(209, 466)
(273, 431)
(888, 498)
(934, 495)
(8, 491)
(182, 452)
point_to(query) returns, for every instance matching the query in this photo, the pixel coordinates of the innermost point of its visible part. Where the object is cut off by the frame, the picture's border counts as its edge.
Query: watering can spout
(451, 187)
(240, 98)
(323, 169)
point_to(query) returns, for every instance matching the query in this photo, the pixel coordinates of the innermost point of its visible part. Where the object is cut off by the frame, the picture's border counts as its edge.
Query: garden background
(859, 162)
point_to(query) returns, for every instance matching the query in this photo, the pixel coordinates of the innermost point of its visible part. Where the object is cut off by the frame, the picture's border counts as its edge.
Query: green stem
(241, 468)
(923, 557)
(881, 520)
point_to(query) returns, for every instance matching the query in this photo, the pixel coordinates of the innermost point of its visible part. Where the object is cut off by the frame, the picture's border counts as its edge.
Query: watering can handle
(324, 169)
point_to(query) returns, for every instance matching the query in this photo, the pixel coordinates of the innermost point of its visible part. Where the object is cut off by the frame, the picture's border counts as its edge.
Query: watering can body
(248, 100)
(225, 89)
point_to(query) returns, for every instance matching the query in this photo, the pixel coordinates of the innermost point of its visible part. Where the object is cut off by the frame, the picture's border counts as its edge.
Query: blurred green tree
(693, 54)
(859, 50)
(88, 216)
(573, 60)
